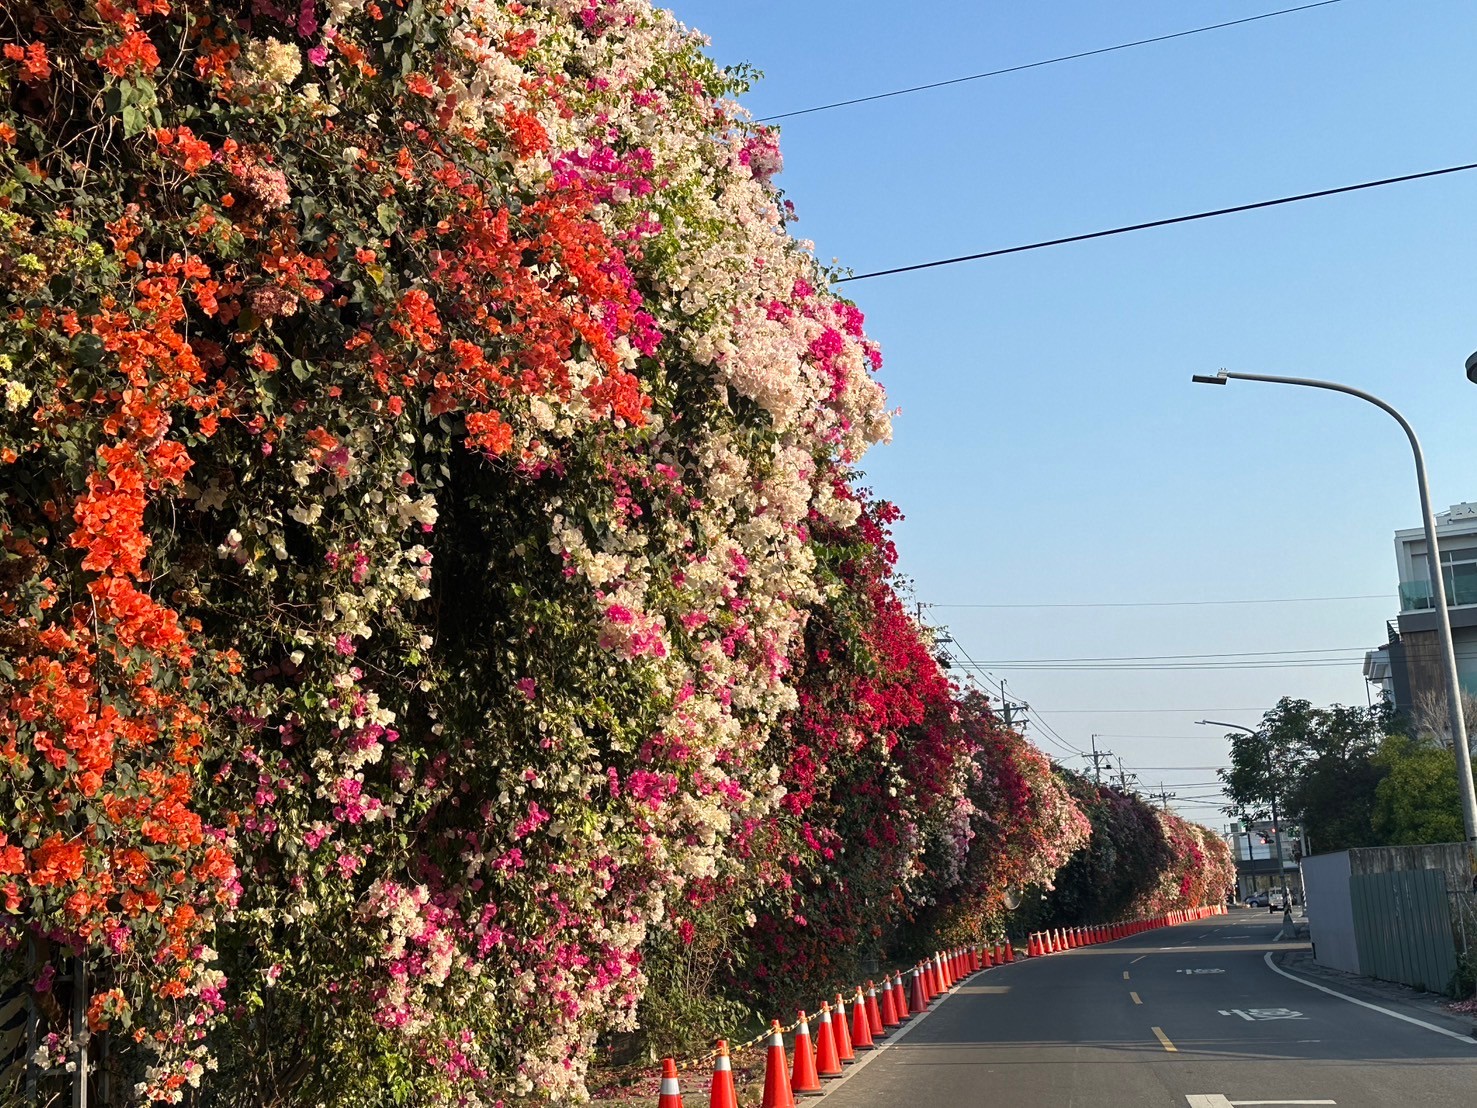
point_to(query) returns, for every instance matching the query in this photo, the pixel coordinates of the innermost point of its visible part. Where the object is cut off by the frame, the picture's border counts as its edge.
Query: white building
(1409, 664)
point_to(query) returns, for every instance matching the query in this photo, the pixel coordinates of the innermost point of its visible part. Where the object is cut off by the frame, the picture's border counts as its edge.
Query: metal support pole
(1438, 584)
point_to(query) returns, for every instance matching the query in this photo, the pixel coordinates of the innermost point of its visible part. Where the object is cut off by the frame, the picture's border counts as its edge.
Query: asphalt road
(1181, 1017)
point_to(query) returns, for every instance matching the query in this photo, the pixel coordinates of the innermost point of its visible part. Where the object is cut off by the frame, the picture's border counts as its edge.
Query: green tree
(1418, 800)
(1321, 763)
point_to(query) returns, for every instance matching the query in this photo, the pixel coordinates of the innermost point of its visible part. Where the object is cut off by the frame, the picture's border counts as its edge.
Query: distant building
(1255, 851)
(1408, 666)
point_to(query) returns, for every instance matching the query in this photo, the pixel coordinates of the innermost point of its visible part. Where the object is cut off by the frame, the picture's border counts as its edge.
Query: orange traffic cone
(1009, 952)
(917, 995)
(861, 1027)
(874, 1014)
(900, 999)
(886, 1008)
(827, 1061)
(946, 979)
(804, 1081)
(722, 1093)
(777, 1092)
(670, 1095)
(841, 1034)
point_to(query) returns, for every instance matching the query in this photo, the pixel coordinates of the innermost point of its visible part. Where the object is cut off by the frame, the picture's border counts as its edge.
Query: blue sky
(1051, 448)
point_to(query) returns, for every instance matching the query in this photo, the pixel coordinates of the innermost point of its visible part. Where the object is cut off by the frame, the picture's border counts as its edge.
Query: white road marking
(1217, 1100)
(1135, 996)
(1125, 975)
(1140, 958)
(1255, 1014)
(1192, 971)
(1366, 1004)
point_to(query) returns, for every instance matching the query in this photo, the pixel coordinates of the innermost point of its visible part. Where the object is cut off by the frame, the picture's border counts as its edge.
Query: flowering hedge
(432, 572)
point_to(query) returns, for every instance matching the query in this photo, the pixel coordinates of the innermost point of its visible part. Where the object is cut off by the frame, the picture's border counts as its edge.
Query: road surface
(1181, 1017)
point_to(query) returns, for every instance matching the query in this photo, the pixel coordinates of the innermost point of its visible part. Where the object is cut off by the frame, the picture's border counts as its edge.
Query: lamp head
(1220, 378)
(1472, 368)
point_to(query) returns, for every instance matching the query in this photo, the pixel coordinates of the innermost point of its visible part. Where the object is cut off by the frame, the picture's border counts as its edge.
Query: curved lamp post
(1433, 563)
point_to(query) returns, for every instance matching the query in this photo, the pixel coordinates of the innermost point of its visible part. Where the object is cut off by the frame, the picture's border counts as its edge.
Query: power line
(1048, 732)
(1175, 603)
(1197, 667)
(1044, 62)
(1165, 657)
(1160, 222)
(1146, 711)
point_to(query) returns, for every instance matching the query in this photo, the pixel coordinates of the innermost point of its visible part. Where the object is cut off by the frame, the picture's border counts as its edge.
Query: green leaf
(134, 122)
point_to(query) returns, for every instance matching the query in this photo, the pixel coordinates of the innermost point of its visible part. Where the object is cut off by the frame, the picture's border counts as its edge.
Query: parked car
(1258, 900)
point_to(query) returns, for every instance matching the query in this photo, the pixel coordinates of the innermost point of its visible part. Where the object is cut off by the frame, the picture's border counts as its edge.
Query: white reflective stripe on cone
(722, 1063)
(669, 1087)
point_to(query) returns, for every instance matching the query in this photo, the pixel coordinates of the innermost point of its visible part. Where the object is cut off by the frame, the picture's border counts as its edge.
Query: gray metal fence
(1402, 925)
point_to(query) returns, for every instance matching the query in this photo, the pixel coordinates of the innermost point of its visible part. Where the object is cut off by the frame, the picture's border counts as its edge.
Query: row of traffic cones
(874, 1012)
(1069, 938)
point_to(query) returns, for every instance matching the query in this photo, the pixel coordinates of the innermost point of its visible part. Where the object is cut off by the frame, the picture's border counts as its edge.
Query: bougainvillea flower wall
(435, 583)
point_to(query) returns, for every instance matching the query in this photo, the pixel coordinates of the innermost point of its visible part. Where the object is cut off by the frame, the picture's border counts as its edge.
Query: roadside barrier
(861, 1024)
(777, 1092)
(670, 1095)
(804, 1081)
(843, 1036)
(875, 1013)
(827, 1061)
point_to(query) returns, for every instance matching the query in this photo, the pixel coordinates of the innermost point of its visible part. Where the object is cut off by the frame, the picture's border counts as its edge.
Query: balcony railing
(1416, 595)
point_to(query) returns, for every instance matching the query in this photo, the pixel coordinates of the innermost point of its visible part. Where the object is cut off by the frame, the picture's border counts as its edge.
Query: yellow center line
(1136, 999)
(1164, 1040)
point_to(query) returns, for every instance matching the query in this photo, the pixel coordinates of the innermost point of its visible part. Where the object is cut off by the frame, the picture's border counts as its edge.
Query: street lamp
(1276, 820)
(1433, 563)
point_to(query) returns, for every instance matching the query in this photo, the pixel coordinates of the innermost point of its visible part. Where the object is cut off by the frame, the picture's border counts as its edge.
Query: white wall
(1330, 912)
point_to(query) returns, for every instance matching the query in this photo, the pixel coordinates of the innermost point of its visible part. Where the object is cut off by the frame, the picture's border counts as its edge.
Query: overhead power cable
(1043, 62)
(1172, 657)
(1048, 732)
(1160, 222)
(1138, 711)
(1176, 603)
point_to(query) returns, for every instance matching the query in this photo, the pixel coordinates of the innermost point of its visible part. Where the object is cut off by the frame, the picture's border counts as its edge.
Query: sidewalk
(1432, 1007)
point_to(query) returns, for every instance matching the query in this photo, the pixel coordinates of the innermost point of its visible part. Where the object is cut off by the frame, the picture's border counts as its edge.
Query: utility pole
(1097, 760)
(1124, 776)
(1164, 796)
(1008, 710)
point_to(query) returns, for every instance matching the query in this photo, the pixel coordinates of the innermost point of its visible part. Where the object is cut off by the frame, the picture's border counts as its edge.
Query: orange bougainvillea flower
(56, 861)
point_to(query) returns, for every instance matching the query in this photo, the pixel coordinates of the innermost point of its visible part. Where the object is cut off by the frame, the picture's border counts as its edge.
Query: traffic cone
(900, 999)
(842, 1036)
(827, 1060)
(917, 996)
(987, 958)
(861, 1026)
(946, 979)
(722, 1094)
(874, 1014)
(885, 1006)
(930, 980)
(1033, 947)
(1009, 952)
(804, 1081)
(777, 1092)
(670, 1095)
